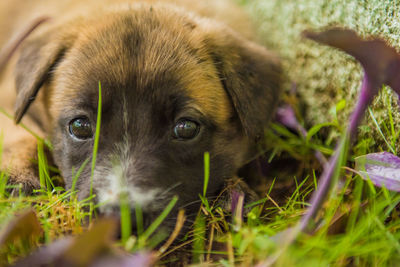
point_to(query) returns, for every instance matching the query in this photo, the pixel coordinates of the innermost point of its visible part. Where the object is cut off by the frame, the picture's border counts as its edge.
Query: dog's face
(173, 87)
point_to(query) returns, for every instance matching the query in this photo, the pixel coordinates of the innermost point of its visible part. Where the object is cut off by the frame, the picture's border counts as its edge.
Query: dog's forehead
(143, 56)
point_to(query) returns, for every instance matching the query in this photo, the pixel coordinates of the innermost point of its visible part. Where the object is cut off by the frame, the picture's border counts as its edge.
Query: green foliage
(95, 149)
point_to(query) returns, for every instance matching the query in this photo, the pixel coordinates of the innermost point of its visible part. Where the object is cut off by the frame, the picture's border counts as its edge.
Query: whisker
(196, 201)
(170, 188)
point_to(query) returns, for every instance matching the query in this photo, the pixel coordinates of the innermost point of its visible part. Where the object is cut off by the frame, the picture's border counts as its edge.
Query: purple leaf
(24, 226)
(142, 259)
(235, 205)
(285, 115)
(46, 255)
(381, 65)
(51, 255)
(75, 251)
(237, 209)
(92, 242)
(380, 61)
(383, 169)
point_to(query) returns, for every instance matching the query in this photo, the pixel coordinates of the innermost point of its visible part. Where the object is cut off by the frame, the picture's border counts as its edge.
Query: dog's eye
(80, 128)
(186, 129)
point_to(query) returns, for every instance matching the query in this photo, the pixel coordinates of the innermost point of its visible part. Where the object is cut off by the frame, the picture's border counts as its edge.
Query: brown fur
(227, 78)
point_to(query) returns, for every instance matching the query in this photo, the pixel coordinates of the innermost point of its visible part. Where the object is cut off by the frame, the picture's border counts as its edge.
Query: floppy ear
(37, 58)
(252, 77)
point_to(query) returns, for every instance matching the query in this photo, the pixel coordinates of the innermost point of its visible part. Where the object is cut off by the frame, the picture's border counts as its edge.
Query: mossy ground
(324, 76)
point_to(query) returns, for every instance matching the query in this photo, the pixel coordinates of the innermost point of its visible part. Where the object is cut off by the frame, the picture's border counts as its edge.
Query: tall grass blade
(199, 232)
(150, 230)
(78, 174)
(44, 176)
(95, 148)
(206, 172)
(126, 225)
(139, 219)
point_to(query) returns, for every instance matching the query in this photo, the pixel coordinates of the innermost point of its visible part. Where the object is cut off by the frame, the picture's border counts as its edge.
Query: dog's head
(173, 87)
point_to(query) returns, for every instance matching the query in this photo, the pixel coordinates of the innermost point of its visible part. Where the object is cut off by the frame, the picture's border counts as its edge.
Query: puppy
(178, 78)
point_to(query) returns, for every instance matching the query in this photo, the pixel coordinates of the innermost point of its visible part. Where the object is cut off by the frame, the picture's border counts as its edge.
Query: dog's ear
(37, 58)
(251, 75)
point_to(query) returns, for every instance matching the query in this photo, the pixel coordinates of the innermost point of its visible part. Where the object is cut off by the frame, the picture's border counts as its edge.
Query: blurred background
(327, 80)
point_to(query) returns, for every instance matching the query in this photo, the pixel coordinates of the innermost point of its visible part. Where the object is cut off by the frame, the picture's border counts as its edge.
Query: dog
(178, 79)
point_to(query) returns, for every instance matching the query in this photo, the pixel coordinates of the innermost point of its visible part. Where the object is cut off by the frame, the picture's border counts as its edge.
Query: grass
(358, 225)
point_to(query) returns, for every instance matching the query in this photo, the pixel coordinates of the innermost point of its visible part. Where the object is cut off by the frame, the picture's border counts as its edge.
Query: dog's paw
(17, 165)
(21, 181)
(236, 188)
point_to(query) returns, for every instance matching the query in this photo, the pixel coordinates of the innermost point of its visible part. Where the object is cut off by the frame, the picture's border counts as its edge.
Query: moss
(323, 75)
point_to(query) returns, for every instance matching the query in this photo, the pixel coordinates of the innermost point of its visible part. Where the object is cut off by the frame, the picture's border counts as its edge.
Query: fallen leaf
(140, 259)
(24, 226)
(286, 116)
(380, 61)
(46, 255)
(383, 169)
(381, 64)
(88, 245)
(75, 251)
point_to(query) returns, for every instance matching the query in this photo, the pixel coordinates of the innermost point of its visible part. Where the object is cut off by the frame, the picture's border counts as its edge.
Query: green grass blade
(150, 230)
(78, 174)
(126, 225)
(380, 131)
(392, 128)
(45, 180)
(95, 147)
(42, 177)
(139, 219)
(199, 232)
(206, 172)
